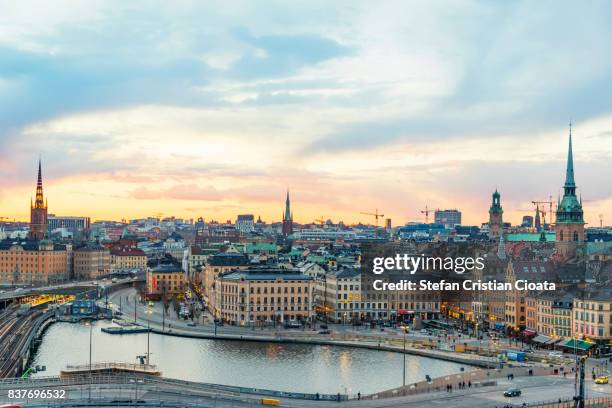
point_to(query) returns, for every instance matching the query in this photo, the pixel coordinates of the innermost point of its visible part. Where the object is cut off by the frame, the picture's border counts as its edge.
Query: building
(127, 258)
(34, 262)
(38, 211)
(570, 218)
(91, 261)
(448, 218)
(562, 315)
(338, 295)
(527, 221)
(496, 223)
(592, 318)
(515, 304)
(165, 281)
(77, 226)
(217, 264)
(245, 223)
(538, 222)
(263, 295)
(287, 218)
(545, 318)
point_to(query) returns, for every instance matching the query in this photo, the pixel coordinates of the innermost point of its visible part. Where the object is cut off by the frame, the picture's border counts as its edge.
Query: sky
(215, 109)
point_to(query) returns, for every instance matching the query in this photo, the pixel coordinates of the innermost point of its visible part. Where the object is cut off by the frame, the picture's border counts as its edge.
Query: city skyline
(192, 111)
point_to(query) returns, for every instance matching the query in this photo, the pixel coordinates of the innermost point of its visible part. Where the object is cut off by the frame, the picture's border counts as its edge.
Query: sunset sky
(215, 109)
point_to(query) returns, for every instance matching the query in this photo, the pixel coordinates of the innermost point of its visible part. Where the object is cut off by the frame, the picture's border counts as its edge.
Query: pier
(109, 368)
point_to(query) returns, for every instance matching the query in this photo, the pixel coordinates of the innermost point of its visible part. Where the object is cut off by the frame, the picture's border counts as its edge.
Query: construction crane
(426, 211)
(375, 214)
(320, 221)
(550, 212)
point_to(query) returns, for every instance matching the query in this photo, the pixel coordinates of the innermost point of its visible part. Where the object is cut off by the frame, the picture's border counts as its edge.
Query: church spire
(288, 215)
(569, 172)
(40, 201)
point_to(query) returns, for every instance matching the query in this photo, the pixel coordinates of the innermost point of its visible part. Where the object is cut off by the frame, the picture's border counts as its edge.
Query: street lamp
(404, 354)
(90, 324)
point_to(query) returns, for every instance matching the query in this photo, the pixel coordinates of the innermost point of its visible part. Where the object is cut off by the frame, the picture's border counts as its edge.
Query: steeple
(570, 184)
(569, 226)
(38, 210)
(537, 223)
(40, 201)
(287, 216)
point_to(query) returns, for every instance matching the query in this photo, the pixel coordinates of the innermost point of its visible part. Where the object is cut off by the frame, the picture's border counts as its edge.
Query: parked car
(324, 332)
(512, 392)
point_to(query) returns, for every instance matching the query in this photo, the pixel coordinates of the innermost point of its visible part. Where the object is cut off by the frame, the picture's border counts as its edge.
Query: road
(535, 389)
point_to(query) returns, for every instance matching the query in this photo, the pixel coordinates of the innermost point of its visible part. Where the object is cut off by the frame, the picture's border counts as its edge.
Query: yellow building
(516, 300)
(165, 280)
(217, 264)
(127, 258)
(34, 262)
(263, 295)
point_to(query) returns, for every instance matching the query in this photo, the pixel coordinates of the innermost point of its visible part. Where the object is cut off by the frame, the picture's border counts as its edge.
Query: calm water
(287, 367)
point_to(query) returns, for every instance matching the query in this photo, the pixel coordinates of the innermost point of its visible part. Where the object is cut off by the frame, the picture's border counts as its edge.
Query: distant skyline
(192, 110)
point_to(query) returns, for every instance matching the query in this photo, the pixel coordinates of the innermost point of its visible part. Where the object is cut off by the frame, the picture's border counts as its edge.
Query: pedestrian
(358, 396)
(338, 397)
(469, 384)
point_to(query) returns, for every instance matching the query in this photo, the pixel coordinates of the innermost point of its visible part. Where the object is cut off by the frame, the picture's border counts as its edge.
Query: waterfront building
(245, 223)
(165, 280)
(592, 317)
(38, 210)
(570, 217)
(261, 295)
(287, 218)
(217, 264)
(531, 311)
(448, 218)
(338, 294)
(34, 262)
(545, 319)
(496, 223)
(127, 257)
(91, 261)
(515, 304)
(562, 315)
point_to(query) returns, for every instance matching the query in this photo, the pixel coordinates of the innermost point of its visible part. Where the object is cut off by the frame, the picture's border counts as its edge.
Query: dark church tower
(38, 211)
(496, 222)
(287, 218)
(569, 228)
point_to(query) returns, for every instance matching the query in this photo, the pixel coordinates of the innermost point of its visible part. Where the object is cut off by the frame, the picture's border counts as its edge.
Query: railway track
(14, 333)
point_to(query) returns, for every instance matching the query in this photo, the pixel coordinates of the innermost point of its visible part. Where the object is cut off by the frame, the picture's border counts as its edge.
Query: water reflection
(288, 367)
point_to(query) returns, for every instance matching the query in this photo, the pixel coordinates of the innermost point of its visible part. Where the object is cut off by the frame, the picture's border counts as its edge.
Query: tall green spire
(569, 173)
(287, 215)
(569, 210)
